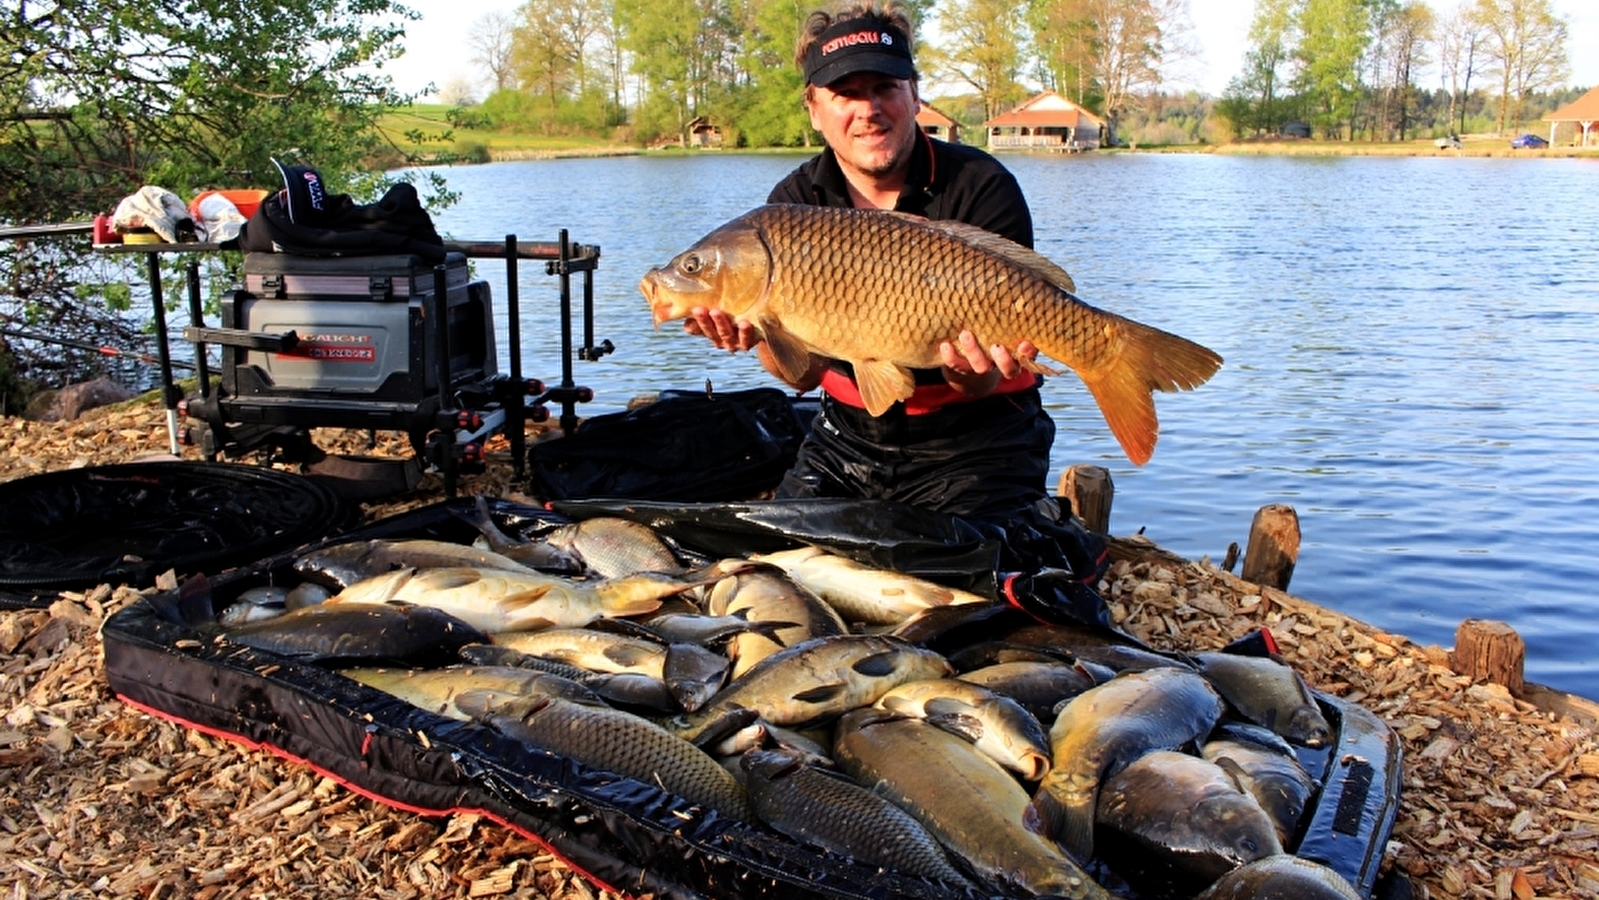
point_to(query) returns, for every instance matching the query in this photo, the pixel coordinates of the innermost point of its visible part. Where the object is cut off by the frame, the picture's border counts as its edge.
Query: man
(974, 440)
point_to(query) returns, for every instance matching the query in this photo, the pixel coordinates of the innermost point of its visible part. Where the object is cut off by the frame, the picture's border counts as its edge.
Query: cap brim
(892, 65)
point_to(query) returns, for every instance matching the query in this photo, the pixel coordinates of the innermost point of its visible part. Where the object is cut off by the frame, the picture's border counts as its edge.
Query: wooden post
(1273, 547)
(1090, 491)
(1490, 650)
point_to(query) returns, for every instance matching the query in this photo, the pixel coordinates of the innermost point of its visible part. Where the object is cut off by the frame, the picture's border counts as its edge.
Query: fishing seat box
(162, 656)
(365, 330)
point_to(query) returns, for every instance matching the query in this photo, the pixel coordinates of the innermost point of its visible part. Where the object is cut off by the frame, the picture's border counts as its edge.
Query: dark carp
(611, 740)
(1267, 691)
(1105, 728)
(1173, 823)
(824, 808)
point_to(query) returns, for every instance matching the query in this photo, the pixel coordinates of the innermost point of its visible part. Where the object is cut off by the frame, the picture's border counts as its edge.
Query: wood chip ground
(1500, 796)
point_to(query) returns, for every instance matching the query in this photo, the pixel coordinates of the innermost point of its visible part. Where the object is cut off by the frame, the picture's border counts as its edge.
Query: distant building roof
(1582, 109)
(1044, 110)
(928, 115)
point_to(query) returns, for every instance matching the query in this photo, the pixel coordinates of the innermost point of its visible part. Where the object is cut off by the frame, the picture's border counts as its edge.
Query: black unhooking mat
(127, 523)
(162, 656)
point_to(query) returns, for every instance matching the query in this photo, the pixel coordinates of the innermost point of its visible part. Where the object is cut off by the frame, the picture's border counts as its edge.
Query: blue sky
(436, 48)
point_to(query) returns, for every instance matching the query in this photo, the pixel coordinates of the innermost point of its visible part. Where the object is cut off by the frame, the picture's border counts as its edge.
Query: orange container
(245, 200)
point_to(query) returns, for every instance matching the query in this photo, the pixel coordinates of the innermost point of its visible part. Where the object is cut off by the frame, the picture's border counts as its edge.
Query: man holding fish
(972, 439)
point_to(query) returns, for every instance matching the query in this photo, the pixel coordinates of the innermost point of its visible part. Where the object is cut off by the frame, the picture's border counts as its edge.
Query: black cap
(303, 194)
(867, 44)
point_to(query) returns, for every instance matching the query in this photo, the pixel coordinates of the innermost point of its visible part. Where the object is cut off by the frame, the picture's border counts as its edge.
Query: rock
(73, 400)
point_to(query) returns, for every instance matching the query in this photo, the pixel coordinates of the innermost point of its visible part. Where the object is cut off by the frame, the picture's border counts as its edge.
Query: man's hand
(975, 372)
(723, 330)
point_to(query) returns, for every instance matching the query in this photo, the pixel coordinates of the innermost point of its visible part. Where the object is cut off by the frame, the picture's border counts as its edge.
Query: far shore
(1477, 147)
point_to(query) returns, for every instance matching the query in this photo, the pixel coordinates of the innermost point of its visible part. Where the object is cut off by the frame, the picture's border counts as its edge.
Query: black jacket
(946, 181)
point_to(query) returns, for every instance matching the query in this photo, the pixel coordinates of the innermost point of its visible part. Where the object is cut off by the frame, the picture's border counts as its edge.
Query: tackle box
(286, 276)
(362, 326)
(620, 834)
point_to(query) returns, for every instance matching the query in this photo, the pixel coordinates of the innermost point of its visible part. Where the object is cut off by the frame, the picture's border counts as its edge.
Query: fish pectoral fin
(882, 383)
(877, 665)
(821, 693)
(789, 353)
(964, 726)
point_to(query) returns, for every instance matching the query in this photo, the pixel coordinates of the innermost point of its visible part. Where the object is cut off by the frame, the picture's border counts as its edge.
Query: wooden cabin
(703, 134)
(1583, 115)
(1045, 121)
(936, 124)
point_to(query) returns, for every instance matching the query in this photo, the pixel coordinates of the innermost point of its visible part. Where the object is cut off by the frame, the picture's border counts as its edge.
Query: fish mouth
(649, 287)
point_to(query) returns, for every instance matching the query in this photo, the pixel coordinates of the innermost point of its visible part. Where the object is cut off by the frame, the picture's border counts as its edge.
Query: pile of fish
(861, 712)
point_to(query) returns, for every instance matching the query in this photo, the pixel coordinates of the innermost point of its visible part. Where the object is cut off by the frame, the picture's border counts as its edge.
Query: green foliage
(100, 97)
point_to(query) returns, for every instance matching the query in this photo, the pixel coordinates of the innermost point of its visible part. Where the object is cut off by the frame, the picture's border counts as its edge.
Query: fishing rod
(28, 231)
(97, 348)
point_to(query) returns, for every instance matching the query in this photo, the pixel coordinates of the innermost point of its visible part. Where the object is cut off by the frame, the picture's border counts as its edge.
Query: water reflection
(1406, 344)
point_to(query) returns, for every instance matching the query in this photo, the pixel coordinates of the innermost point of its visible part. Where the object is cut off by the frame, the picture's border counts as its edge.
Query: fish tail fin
(622, 597)
(1139, 360)
(1071, 825)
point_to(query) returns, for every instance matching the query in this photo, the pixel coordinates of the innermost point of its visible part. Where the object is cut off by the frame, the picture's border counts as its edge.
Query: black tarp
(127, 523)
(161, 655)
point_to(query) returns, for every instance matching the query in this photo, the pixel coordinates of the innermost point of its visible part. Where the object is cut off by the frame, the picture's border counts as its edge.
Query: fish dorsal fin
(448, 578)
(882, 383)
(1005, 248)
(789, 353)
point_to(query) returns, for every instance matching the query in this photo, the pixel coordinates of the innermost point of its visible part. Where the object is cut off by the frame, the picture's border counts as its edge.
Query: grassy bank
(483, 145)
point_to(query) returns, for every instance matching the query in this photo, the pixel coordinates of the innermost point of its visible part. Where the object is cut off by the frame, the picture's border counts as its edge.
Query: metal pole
(197, 319)
(517, 399)
(169, 391)
(568, 387)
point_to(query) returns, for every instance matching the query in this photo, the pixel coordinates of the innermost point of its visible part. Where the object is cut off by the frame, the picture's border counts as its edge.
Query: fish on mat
(883, 290)
(824, 808)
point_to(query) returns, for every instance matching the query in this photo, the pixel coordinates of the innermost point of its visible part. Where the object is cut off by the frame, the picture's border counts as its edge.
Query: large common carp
(824, 808)
(973, 806)
(817, 681)
(604, 738)
(496, 600)
(882, 291)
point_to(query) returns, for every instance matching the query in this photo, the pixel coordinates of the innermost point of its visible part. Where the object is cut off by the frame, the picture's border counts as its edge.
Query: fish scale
(883, 290)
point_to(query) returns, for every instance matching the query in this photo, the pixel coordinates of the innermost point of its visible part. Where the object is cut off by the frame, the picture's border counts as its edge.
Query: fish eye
(691, 264)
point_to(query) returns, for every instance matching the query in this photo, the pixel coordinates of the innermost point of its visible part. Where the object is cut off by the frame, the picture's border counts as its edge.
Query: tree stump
(1090, 491)
(1273, 547)
(1492, 651)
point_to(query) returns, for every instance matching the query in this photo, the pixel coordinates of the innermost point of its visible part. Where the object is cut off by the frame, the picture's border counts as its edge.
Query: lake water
(1409, 348)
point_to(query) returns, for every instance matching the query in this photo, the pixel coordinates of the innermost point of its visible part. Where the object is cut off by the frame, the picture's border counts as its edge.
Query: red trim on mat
(367, 792)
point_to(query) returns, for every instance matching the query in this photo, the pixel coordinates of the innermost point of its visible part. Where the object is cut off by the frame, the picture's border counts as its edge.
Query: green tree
(1115, 48)
(984, 49)
(98, 97)
(1525, 43)
(770, 111)
(1064, 41)
(1334, 35)
(1407, 51)
(1252, 101)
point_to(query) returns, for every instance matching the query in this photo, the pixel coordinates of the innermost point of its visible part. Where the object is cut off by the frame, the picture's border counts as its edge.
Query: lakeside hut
(936, 124)
(703, 134)
(1045, 121)
(1583, 114)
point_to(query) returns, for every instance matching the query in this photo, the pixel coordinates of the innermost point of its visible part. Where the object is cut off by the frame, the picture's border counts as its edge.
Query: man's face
(868, 119)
